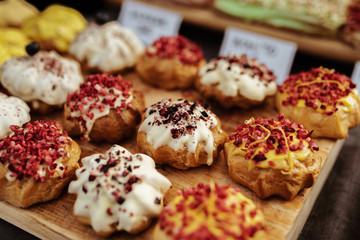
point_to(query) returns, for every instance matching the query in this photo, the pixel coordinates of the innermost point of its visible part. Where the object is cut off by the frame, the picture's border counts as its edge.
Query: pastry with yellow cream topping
(12, 43)
(273, 157)
(14, 12)
(118, 191)
(322, 100)
(55, 27)
(236, 81)
(210, 212)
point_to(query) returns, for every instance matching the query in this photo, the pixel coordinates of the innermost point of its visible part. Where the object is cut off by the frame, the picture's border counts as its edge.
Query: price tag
(149, 23)
(276, 54)
(355, 77)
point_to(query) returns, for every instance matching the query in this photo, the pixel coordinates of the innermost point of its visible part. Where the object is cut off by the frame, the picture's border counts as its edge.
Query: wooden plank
(207, 17)
(284, 219)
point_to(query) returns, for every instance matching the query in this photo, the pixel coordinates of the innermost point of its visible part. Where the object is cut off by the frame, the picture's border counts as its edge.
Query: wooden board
(326, 47)
(284, 219)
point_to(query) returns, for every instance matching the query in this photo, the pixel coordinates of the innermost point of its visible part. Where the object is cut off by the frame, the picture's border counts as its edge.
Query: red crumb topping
(353, 17)
(250, 66)
(201, 193)
(254, 135)
(318, 84)
(177, 46)
(96, 93)
(182, 116)
(32, 148)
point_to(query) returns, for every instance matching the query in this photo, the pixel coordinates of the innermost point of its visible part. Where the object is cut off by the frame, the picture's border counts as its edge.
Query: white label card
(276, 54)
(149, 23)
(355, 77)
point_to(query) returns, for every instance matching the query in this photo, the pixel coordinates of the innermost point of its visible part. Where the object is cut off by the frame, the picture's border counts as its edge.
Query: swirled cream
(118, 190)
(235, 75)
(180, 124)
(46, 76)
(109, 47)
(96, 97)
(13, 111)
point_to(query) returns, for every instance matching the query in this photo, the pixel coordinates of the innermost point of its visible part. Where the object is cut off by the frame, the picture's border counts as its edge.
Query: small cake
(107, 48)
(13, 111)
(180, 133)
(43, 80)
(36, 162)
(322, 100)
(12, 43)
(210, 212)
(273, 157)
(55, 27)
(118, 191)
(14, 12)
(105, 108)
(236, 81)
(171, 62)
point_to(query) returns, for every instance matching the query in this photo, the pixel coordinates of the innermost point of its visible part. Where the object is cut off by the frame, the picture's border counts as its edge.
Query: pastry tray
(284, 219)
(326, 47)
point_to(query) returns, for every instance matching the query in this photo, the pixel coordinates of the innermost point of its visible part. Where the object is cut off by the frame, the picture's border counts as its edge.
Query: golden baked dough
(117, 119)
(236, 81)
(210, 212)
(259, 158)
(43, 179)
(181, 134)
(332, 107)
(171, 62)
(14, 12)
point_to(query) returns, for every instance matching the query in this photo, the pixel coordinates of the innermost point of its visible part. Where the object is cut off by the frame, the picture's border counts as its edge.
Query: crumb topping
(320, 88)
(34, 149)
(268, 142)
(211, 212)
(179, 47)
(96, 97)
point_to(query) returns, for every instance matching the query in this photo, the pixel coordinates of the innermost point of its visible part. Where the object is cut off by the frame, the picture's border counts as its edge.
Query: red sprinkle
(254, 131)
(327, 92)
(176, 46)
(34, 146)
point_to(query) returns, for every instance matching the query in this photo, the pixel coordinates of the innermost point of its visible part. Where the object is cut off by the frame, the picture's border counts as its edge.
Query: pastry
(13, 111)
(43, 80)
(273, 157)
(236, 81)
(334, 18)
(118, 191)
(12, 43)
(171, 62)
(36, 162)
(322, 100)
(55, 27)
(14, 12)
(180, 133)
(107, 48)
(105, 108)
(210, 212)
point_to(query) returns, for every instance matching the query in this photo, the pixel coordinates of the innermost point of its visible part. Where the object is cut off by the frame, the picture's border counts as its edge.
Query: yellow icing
(281, 161)
(15, 12)
(12, 43)
(215, 218)
(57, 23)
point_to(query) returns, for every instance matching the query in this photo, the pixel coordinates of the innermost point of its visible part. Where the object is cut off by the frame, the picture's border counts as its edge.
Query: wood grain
(284, 219)
(327, 47)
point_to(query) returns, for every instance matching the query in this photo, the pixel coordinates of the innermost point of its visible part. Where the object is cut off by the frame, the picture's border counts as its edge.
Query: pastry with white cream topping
(118, 191)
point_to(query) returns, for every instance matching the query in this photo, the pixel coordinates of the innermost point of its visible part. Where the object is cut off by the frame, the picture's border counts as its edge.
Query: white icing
(139, 204)
(89, 122)
(160, 134)
(46, 76)
(109, 47)
(13, 111)
(232, 79)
